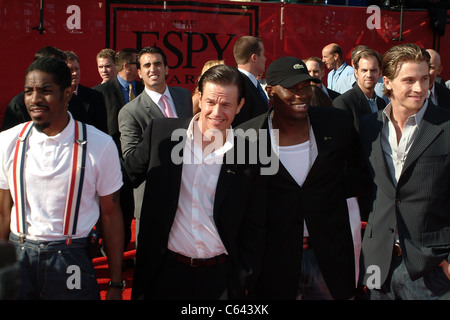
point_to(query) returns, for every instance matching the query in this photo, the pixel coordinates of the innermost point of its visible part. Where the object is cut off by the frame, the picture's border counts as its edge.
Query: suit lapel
(324, 142)
(228, 171)
(177, 101)
(428, 131)
(118, 91)
(377, 157)
(151, 107)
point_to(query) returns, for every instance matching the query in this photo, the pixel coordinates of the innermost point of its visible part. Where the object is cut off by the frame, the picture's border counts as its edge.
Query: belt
(306, 243)
(396, 250)
(194, 262)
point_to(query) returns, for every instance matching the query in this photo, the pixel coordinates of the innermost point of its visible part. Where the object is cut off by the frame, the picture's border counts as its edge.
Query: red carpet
(101, 266)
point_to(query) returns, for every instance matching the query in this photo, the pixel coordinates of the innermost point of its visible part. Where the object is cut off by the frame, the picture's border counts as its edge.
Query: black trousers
(179, 281)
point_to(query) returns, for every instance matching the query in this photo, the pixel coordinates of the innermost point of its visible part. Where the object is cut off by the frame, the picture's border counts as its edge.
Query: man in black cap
(309, 248)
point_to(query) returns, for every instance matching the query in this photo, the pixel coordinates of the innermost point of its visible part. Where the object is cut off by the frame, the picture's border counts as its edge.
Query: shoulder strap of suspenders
(75, 182)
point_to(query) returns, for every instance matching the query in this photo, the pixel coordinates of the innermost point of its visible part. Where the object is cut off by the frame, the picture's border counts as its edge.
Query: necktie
(263, 94)
(131, 95)
(167, 109)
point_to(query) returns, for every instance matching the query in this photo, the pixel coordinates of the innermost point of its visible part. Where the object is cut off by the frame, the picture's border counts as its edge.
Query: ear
(241, 103)
(139, 73)
(387, 83)
(67, 94)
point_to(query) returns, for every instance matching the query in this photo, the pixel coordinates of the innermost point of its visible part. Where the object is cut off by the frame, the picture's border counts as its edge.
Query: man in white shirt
(202, 222)
(48, 219)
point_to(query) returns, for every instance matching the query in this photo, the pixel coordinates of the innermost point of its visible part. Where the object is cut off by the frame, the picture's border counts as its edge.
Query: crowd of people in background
(357, 208)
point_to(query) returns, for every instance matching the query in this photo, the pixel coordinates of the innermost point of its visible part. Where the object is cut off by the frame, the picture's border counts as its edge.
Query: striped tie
(131, 95)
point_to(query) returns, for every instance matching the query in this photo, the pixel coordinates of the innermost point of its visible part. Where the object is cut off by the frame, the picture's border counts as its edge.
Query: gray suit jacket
(418, 207)
(134, 118)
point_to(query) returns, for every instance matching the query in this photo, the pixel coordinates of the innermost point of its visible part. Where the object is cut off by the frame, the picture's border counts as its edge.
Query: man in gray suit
(157, 100)
(406, 245)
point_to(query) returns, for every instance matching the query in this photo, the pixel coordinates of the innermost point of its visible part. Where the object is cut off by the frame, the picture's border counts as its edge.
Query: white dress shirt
(194, 233)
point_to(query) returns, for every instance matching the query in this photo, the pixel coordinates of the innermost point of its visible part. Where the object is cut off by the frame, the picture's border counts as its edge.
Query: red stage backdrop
(192, 32)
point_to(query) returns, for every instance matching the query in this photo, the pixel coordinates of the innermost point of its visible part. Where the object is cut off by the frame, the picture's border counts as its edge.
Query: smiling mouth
(216, 121)
(300, 106)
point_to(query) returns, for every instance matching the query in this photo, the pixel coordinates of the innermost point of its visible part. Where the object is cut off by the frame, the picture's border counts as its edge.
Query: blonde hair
(206, 66)
(396, 56)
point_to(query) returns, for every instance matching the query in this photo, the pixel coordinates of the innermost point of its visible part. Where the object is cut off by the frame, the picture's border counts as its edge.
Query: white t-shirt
(47, 175)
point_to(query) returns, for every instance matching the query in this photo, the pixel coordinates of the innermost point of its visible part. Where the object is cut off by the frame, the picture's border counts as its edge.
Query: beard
(41, 126)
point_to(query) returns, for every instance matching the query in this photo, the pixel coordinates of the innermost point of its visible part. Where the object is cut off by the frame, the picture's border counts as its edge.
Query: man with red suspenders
(56, 176)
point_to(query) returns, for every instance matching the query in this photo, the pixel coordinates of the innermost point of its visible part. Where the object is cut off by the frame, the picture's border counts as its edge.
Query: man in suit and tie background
(156, 101)
(202, 223)
(251, 61)
(406, 243)
(116, 93)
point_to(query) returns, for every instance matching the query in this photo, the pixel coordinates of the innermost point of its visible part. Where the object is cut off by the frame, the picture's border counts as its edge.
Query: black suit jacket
(354, 101)
(332, 94)
(238, 209)
(443, 95)
(94, 105)
(418, 207)
(254, 104)
(320, 202)
(114, 101)
(16, 111)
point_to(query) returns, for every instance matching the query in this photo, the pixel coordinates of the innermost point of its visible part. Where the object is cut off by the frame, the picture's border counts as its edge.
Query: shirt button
(397, 201)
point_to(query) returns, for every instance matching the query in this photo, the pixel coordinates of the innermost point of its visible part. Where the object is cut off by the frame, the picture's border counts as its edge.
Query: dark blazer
(94, 105)
(332, 94)
(443, 95)
(114, 101)
(238, 209)
(354, 101)
(16, 111)
(254, 104)
(418, 207)
(321, 202)
(134, 118)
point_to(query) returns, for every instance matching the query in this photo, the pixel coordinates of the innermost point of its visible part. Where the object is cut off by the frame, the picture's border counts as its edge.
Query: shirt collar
(229, 140)
(124, 83)
(156, 96)
(250, 76)
(342, 67)
(417, 118)
(63, 138)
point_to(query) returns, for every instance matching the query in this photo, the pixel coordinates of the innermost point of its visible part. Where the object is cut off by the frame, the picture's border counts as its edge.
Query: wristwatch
(118, 285)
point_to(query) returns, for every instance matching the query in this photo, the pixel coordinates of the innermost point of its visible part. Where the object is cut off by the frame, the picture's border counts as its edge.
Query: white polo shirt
(47, 174)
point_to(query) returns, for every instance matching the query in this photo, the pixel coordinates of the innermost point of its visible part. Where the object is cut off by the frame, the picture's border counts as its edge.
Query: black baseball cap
(287, 72)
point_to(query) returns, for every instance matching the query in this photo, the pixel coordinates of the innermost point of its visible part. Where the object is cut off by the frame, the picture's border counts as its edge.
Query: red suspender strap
(75, 183)
(19, 188)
